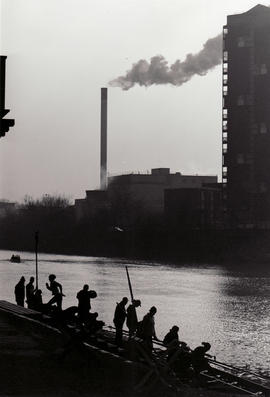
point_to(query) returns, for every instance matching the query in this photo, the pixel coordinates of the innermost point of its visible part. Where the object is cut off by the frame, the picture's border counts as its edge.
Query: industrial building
(194, 208)
(143, 190)
(134, 191)
(148, 189)
(246, 119)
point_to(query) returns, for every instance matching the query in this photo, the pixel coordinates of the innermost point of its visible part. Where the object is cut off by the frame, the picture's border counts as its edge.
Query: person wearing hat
(132, 319)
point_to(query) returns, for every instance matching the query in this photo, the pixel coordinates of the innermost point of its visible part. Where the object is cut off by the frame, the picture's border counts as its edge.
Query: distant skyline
(61, 52)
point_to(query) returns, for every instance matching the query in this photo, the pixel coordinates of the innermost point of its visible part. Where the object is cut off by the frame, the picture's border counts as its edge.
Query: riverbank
(223, 247)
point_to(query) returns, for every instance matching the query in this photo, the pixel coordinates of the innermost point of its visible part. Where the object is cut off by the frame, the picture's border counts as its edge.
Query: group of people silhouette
(179, 354)
(33, 296)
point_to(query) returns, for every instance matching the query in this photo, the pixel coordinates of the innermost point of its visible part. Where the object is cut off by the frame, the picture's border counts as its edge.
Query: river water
(228, 307)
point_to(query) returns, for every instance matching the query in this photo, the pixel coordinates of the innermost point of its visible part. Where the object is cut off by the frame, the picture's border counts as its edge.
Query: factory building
(246, 119)
(194, 208)
(140, 190)
(148, 189)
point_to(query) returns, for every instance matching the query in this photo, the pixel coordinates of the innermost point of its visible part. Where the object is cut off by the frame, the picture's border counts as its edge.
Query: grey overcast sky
(61, 52)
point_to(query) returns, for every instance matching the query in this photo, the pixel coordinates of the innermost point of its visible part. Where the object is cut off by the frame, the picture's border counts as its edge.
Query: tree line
(123, 229)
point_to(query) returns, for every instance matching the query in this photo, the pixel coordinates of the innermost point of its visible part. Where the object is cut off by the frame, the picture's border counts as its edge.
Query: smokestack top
(104, 93)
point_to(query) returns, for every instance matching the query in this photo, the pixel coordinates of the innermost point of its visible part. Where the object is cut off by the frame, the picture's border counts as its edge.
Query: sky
(59, 55)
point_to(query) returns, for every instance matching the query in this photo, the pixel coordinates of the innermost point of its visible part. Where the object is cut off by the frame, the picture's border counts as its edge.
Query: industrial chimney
(103, 140)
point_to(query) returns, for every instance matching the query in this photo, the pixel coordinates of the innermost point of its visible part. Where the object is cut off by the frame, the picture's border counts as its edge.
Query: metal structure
(5, 124)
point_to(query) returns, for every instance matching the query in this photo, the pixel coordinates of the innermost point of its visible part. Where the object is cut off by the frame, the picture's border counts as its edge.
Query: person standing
(20, 292)
(147, 331)
(29, 292)
(119, 319)
(57, 292)
(84, 302)
(132, 319)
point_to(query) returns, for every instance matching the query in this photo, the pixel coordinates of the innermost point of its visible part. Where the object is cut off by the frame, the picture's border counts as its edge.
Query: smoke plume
(157, 71)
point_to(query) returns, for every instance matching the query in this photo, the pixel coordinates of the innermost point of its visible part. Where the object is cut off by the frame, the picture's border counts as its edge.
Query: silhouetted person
(147, 329)
(119, 319)
(68, 316)
(84, 297)
(171, 341)
(30, 288)
(37, 303)
(93, 324)
(171, 336)
(20, 292)
(57, 291)
(132, 319)
(198, 358)
(179, 359)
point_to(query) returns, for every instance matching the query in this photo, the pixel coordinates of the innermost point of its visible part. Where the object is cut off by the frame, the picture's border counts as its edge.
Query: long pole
(36, 250)
(129, 285)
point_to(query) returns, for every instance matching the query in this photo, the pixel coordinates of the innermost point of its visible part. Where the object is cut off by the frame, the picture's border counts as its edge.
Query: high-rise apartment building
(246, 118)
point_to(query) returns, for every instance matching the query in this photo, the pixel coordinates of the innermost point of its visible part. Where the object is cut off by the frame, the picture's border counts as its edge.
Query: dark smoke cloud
(159, 72)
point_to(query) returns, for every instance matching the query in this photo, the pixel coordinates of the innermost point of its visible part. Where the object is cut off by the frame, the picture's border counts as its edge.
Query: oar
(129, 285)
(238, 369)
(36, 250)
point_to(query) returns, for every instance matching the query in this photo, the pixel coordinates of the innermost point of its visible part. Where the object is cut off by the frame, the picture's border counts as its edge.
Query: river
(226, 306)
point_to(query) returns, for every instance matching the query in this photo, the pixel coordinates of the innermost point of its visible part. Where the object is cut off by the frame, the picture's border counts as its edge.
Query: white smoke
(157, 71)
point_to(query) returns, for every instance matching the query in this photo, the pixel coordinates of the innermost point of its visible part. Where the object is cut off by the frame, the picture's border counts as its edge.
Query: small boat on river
(15, 259)
(132, 363)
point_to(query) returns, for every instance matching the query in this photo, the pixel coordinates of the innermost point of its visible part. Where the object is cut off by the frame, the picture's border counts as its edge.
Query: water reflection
(229, 307)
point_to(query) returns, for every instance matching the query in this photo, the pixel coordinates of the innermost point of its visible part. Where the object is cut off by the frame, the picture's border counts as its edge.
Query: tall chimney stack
(103, 140)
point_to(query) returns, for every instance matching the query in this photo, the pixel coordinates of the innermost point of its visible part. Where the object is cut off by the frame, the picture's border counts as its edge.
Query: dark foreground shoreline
(34, 362)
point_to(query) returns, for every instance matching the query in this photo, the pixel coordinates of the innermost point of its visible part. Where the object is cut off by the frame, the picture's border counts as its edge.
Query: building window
(240, 158)
(243, 41)
(263, 69)
(225, 90)
(263, 128)
(249, 159)
(240, 100)
(225, 56)
(263, 187)
(254, 129)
